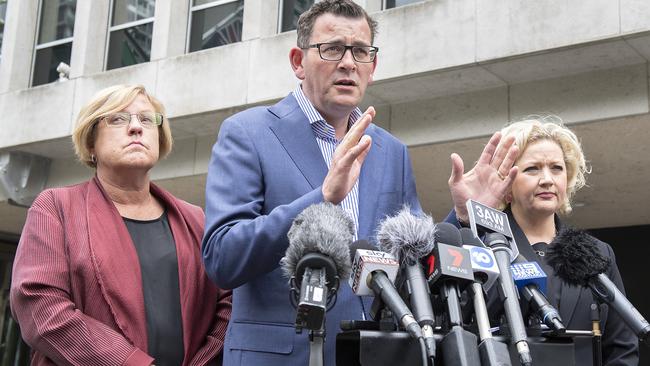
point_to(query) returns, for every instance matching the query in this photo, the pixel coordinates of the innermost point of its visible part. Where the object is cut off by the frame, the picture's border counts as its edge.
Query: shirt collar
(319, 125)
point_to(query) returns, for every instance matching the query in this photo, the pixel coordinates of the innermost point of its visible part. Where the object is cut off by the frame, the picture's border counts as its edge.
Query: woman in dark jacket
(551, 168)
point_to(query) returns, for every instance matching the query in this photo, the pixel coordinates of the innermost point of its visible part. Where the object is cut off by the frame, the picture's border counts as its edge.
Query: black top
(156, 250)
(553, 283)
(619, 344)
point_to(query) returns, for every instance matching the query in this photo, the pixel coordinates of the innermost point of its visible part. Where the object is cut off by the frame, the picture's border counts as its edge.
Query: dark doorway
(631, 248)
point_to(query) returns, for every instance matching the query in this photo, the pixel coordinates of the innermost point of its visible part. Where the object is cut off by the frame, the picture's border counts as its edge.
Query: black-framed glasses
(335, 52)
(146, 119)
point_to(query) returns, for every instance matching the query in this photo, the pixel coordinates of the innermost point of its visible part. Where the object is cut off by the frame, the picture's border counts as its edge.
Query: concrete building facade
(450, 73)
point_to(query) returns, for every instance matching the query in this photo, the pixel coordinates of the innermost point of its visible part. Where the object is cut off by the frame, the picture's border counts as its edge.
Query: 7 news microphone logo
(454, 261)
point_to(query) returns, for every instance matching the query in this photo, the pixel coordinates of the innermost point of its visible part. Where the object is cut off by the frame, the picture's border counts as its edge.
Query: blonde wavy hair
(111, 100)
(550, 127)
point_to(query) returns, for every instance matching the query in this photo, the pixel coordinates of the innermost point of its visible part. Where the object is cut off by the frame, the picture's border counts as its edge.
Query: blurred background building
(450, 73)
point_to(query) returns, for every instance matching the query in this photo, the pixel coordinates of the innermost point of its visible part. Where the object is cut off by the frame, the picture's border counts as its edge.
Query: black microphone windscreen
(320, 228)
(407, 236)
(468, 238)
(575, 258)
(447, 233)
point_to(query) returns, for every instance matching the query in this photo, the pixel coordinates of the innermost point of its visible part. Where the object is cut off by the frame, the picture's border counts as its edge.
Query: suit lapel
(296, 136)
(569, 297)
(119, 276)
(369, 184)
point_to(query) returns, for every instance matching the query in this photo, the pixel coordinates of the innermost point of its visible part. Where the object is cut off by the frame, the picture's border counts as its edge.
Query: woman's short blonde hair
(105, 102)
(537, 128)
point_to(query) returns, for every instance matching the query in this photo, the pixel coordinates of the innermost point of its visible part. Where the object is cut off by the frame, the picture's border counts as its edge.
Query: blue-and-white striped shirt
(327, 142)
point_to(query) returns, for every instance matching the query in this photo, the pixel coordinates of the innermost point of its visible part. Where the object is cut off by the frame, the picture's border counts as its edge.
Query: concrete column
(170, 29)
(90, 37)
(260, 18)
(18, 45)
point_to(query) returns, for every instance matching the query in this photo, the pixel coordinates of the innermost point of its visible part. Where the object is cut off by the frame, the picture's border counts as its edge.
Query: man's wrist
(463, 219)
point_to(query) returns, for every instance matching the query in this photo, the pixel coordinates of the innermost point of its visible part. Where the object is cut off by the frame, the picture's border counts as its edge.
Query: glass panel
(202, 2)
(216, 26)
(395, 3)
(47, 59)
(129, 46)
(291, 10)
(57, 20)
(3, 13)
(125, 11)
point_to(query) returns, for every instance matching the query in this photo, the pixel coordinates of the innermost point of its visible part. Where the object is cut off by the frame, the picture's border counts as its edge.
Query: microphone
(486, 273)
(494, 223)
(575, 258)
(529, 279)
(449, 272)
(410, 238)
(449, 269)
(373, 272)
(502, 252)
(318, 257)
(484, 264)
(484, 220)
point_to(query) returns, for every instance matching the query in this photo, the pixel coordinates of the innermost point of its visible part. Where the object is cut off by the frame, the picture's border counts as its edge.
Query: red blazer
(77, 289)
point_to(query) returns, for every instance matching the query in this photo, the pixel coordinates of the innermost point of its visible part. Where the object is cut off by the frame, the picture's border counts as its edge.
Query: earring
(93, 159)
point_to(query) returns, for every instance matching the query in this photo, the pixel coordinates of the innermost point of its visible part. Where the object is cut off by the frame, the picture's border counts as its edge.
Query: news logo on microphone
(483, 261)
(484, 219)
(451, 261)
(365, 262)
(528, 272)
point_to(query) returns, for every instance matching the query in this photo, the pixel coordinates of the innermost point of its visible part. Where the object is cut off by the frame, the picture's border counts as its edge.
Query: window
(215, 23)
(54, 42)
(291, 10)
(389, 4)
(129, 38)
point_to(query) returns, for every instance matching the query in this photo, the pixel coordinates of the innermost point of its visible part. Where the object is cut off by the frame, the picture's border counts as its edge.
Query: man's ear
(296, 56)
(372, 74)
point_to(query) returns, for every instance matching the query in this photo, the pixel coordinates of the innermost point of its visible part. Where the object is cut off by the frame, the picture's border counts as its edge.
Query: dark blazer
(620, 345)
(266, 168)
(77, 289)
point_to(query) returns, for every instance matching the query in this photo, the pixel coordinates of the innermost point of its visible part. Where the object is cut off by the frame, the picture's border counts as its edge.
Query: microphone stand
(597, 339)
(316, 351)
(491, 351)
(316, 336)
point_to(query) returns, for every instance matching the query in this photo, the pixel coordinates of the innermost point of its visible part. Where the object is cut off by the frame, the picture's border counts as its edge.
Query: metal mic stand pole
(316, 341)
(597, 339)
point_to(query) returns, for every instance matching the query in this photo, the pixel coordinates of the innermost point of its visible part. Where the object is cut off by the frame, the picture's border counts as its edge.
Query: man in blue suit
(270, 163)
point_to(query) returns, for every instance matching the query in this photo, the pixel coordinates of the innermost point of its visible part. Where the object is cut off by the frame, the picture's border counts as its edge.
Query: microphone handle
(545, 311)
(420, 298)
(606, 291)
(451, 295)
(511, 301)
(419, 294)
(518, 335)
(480, 311)
(382, 286)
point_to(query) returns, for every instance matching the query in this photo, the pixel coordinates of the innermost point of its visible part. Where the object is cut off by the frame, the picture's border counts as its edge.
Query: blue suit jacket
(266, 168)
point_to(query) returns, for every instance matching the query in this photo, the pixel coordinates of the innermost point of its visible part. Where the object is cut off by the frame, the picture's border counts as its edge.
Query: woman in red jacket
(108, 272)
